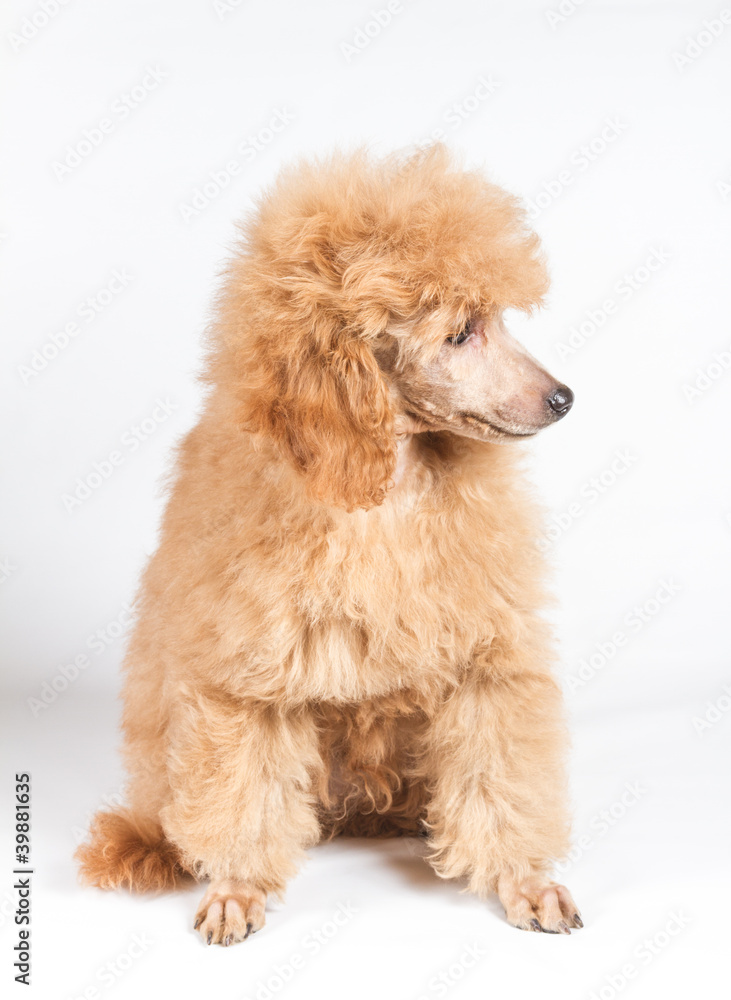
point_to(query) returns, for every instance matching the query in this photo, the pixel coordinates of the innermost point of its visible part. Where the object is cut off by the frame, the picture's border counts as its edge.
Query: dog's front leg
(242, 809)
(498, 814)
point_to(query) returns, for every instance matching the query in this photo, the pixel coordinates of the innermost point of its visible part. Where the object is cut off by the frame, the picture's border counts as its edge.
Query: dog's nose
(561, 400)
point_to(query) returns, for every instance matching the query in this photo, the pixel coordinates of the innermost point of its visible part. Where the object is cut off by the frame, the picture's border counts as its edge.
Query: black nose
(561, 400)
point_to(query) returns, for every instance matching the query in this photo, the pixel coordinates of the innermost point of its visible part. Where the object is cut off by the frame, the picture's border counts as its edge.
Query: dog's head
(367, 300)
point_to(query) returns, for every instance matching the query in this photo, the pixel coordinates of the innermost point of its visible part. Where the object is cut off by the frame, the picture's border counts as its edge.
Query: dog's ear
(323, 399)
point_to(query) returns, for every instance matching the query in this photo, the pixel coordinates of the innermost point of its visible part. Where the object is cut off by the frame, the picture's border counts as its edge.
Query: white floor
(366, 919)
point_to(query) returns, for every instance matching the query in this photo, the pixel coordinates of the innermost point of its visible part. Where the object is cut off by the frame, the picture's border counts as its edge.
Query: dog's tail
(128, 851)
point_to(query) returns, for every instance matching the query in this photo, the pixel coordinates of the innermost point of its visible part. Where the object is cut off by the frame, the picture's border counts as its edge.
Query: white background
(639, 708)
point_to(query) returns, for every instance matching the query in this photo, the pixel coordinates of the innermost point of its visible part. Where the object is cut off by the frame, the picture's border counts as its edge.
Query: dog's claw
(230, 912)
(197, 921)
(537, 904)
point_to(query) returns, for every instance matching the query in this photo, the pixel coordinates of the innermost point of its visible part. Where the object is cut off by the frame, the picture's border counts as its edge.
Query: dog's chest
(397, 604)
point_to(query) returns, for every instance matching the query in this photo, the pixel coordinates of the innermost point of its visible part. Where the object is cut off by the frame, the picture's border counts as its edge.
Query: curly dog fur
(340, 631)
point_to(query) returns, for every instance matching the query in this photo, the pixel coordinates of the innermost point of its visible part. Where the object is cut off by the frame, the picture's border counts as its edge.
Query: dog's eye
(459, 338)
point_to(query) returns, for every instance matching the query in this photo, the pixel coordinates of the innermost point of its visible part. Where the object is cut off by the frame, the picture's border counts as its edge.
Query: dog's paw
(229, 912)
(536, 904)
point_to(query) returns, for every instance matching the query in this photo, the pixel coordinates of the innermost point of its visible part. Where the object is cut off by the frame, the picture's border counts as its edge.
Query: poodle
(341, 629)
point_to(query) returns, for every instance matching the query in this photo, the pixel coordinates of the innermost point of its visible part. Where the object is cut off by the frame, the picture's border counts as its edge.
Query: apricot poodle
(340, 631)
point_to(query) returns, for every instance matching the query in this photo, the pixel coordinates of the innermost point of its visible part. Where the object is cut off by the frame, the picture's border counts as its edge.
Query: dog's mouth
(434, 421)
(471, 418)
